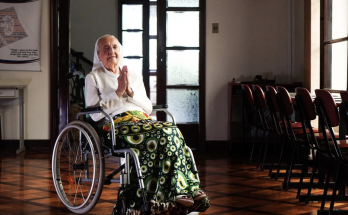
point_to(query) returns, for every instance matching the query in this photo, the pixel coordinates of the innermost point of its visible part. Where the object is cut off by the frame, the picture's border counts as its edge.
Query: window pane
(337, 65)
(153, 54)
(338, 18)
(153, 20)
(132, 43)
(182, 3)
(153, 89)
(183, 29)
(183, 104)
(134, 65)
(182, 67)
(132, 17)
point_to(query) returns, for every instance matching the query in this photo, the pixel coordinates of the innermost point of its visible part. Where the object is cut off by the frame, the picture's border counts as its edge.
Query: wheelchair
(78, 164)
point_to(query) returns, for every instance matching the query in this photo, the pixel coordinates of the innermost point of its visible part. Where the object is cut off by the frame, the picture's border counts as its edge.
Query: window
(334, 47)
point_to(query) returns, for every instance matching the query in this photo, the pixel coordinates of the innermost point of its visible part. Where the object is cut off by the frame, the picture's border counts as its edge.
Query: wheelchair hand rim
(57, 184)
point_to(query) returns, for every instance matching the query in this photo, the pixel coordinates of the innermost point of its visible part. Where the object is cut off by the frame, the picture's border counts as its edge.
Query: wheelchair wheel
(78, 167)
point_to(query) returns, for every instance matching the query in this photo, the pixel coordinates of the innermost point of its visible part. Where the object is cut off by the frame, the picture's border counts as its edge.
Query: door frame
(59, 66)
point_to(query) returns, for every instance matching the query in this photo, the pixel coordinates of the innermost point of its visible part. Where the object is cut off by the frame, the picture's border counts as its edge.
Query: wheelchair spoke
(80, 188)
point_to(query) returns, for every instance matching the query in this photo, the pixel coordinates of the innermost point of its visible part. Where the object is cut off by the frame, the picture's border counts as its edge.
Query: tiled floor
(234, 187)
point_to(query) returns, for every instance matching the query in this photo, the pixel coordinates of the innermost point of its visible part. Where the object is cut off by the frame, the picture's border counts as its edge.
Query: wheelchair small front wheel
(78, 167)
(120, 208)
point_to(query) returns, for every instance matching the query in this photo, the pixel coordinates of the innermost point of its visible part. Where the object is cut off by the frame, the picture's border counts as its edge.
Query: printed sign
(20, 35)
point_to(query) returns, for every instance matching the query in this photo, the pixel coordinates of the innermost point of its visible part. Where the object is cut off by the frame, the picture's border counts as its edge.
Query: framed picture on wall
(20, 22)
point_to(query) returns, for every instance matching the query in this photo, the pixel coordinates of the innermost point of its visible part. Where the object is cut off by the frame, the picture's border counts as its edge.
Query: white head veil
(97, 63)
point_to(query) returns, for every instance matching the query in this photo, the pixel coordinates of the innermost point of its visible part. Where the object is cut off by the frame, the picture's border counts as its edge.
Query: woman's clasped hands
(123, 83)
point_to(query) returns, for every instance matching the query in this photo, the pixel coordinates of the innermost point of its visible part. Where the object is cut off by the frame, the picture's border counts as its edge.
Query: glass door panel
(153, 55)
(136, 65)
(183, 104)
(338, 66)
(153, 19)
(132, 16)
(183, 29)
(132, 43)
(182, 67)
(182, 3)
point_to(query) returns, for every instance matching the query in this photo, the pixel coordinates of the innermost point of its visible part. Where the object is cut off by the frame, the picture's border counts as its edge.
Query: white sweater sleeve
(95, 99)
(139, 97)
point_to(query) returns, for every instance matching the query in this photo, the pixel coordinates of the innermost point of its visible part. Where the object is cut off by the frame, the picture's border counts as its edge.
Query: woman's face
(109, 52)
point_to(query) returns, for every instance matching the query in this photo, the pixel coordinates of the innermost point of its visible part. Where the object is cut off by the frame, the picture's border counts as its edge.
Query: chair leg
(265, 153)
(252, 149)
(272, 162)
(337, 183)
(280, 159)
(261, 147)
(312, 178)
(325, 190)
(304, 169)
(289, 169)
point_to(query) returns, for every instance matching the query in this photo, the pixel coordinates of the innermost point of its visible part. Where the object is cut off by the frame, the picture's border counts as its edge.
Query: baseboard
(220, 145)
(11, 146)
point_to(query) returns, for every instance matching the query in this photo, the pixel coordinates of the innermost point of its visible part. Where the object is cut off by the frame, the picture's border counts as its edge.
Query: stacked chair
(255, 119)
(256, 104)
(273, 103)
(316, 142)
(269, 126)
(328, 150)
(333, 148)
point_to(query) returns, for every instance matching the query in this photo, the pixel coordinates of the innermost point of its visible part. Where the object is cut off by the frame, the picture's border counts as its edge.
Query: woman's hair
(102, 37)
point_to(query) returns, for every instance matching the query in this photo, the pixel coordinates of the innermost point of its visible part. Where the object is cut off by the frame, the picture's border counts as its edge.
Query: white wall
(36, 95)
(253, 39)
(91, 19)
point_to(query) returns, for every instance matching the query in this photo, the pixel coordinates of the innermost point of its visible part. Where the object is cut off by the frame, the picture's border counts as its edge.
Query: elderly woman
(165, 162)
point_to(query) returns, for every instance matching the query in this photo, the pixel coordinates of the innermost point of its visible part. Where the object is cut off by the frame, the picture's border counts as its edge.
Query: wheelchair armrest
(107, 116)
(164, 109)
(92, 109)
(164, 106)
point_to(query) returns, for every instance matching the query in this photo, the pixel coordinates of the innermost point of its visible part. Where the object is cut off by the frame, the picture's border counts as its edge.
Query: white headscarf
(97, 63)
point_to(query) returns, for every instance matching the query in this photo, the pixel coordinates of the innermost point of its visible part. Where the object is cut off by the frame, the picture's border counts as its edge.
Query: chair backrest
(272, 99)
(344, 96)
(286, 110)
(285, 99)
(259, 96)
(248, 103)
(329, 105)
(306, 109)
(274, 108)
(248, 96)
(304, 98)
(328, 115)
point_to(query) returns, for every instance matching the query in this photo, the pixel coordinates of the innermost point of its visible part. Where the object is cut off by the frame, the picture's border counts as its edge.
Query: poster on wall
(20, 24)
